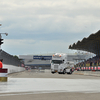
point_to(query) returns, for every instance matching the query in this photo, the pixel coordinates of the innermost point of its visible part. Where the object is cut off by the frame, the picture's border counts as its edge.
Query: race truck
(60, 64)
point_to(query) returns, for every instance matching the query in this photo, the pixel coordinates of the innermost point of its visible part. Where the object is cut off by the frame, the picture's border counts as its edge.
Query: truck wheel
(70, 71)
(64, 71)
(52, 72)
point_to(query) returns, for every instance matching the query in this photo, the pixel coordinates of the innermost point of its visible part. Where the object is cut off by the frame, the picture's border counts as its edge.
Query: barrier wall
(88, 73)
(13, 69)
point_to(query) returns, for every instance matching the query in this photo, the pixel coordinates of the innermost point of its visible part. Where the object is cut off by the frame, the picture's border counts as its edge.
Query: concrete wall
(88, 73)
(13, 69)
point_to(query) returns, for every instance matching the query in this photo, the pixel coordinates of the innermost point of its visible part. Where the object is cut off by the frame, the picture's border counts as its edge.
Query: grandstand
(12, 63)
(90, 44)
(9, 59)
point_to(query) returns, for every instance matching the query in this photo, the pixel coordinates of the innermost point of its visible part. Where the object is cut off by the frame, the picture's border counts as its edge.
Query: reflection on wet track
(48, 85)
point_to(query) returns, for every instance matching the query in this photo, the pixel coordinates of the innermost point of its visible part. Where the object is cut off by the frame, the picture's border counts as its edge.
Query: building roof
(90, 44)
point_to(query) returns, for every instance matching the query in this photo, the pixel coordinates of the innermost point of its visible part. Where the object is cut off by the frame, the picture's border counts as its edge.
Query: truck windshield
(57, 61)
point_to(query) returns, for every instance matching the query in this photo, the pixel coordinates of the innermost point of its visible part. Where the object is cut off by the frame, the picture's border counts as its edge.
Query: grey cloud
(49, 20)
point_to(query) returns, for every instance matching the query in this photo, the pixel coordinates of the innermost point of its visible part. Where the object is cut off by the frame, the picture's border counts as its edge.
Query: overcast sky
(46, 26)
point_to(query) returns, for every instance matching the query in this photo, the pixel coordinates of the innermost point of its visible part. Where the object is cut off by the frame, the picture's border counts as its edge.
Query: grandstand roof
(90, 44)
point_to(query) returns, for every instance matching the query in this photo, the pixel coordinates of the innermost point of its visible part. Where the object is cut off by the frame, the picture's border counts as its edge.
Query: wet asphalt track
(40, 84)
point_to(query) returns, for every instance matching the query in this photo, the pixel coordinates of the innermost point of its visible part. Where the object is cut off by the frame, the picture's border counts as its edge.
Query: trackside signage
(3, 75)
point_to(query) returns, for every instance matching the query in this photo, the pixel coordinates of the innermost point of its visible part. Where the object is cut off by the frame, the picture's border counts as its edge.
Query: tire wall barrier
(92, 68)
(13, 69)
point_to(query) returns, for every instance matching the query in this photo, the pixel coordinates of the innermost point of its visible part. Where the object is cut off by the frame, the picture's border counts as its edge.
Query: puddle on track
(48, 85)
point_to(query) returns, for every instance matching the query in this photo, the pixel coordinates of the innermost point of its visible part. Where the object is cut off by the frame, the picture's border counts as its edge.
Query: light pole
(3, 33)
(2, 39)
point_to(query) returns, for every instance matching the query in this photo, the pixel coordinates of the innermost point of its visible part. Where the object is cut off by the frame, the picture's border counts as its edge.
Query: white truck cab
(60, 64)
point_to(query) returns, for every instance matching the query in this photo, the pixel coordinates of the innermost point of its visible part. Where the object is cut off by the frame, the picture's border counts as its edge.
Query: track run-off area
(41, 85)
